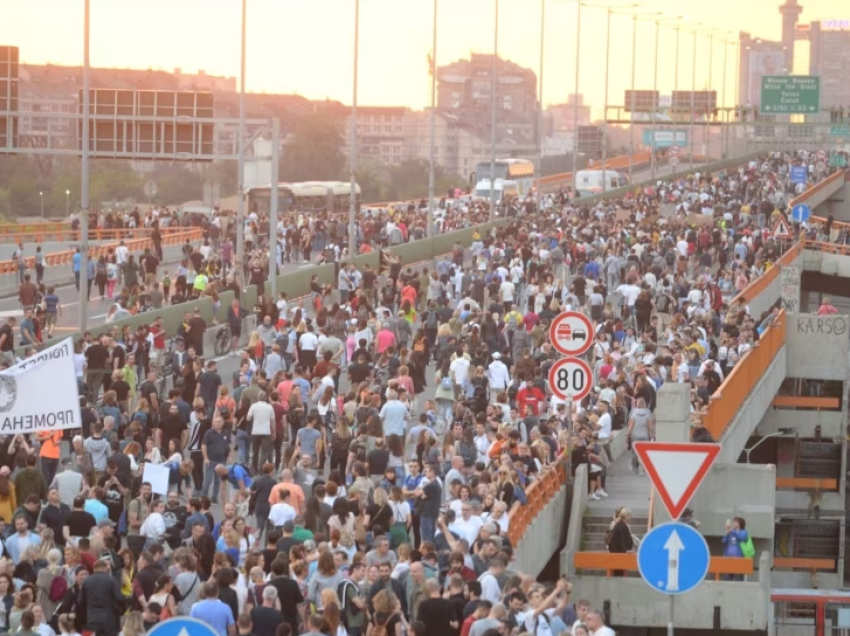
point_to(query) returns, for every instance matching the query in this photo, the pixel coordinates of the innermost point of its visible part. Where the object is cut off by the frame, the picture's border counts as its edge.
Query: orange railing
(610, 562)
(806, 483)
(760, 284)
(792, 563)
(744, 375)
(828, 248)
(46, 235)
(66, 257)
(24, 228)
(804, 402)
(538, 495)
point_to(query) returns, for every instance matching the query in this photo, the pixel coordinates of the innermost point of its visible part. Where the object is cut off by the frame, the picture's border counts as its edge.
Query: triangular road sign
(780, 230)
(676, 470)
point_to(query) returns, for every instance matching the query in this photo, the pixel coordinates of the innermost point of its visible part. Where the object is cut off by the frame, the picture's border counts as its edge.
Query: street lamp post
(240, 201)
(433, 141)
(540, 106)
(632, 107)
(778, 433)
(693, 91)
(493, 88)
(68, 204)
(41, 198)
(605, 105)
(84, 185)
(575, 92)
(352, 157)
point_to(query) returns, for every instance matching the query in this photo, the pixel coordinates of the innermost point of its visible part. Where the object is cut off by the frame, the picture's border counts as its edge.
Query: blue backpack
(122, 522)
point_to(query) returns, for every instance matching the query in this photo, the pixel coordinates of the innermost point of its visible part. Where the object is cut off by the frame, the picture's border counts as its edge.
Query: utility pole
(433, 141)
(352, 158)
(575, 95)
(273, 209)
(493, 89)
(240, 202)
(84, 185)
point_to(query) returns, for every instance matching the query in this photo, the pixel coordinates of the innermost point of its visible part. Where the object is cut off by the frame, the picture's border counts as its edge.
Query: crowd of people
(357, 473)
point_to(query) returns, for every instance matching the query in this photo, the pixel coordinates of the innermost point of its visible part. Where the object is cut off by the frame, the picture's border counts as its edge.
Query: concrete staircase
(594, 529)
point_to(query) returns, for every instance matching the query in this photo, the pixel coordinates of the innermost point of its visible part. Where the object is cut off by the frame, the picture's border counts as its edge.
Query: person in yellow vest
(201, 281)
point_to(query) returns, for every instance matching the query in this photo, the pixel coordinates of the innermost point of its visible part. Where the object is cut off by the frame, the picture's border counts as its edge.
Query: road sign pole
(670, 617)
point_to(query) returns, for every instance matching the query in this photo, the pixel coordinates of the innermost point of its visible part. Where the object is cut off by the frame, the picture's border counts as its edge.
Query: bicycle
(222, 340)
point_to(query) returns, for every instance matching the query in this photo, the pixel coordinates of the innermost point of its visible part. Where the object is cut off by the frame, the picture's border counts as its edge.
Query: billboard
(761, 63)
(665, 138)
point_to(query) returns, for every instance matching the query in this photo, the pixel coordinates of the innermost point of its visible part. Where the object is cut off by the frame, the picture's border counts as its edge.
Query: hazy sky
(305, 46)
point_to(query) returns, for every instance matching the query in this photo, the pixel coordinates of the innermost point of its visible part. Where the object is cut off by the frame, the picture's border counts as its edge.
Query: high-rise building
(829, 57)
(790, 13)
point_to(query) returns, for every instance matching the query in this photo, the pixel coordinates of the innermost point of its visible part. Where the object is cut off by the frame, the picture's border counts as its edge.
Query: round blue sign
(673, 558)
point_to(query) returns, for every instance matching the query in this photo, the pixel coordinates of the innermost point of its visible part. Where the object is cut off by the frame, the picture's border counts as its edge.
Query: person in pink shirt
(284, 389)
(826, 307)
(384, 338)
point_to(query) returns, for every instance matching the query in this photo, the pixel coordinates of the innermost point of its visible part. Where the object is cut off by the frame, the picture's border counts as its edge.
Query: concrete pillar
(672, 422)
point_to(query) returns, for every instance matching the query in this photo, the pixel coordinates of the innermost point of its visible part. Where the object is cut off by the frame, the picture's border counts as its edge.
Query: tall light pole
(540, 105)
(676, 72)
(352, 156)
(605, 105)
(41, 197)
(575, 92)
(493, 89)
(693, 90)
(632, 106)
(68, 203)
(433, 150)
(273, 203)
(654, 162)
(240, 164)
(84, 185)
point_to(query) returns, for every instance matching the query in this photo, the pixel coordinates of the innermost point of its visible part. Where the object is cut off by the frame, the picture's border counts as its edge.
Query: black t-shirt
(96, 357)
(359, 372)
(368, 280)
(210, 381)
(265, 620)
(9, 342)
(290, 598)
(113, 498)
(378, 460)
(284, 545)
(437, 614)
(379, 516)
(216, 446)
(54, 518)
(433, 497)
(151, 263)
(147, 389)
(198, 325)
(122, 390)
(119, 354)
(80, 523)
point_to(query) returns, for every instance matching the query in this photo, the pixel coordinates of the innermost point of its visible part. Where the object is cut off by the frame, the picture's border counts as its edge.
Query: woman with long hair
(395, 445)
(7, 599)
(134, 624)
(326, 576)
(8, 499)
(340, 444)
(445, 394)
(163, 595)
(297, 410)
(388, 614)
(44, 581)
(342, 519)
(331, 613)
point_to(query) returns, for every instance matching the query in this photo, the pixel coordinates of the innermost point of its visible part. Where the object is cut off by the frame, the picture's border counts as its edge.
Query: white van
(590, 182)
(504, 188)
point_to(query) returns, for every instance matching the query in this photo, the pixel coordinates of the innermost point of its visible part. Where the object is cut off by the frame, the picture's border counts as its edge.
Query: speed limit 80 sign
(570, 379)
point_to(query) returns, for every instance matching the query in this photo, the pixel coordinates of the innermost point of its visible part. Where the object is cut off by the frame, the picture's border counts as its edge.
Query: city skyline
(395, 42)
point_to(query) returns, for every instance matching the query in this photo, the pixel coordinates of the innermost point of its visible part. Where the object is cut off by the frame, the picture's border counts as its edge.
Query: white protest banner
(40, 393)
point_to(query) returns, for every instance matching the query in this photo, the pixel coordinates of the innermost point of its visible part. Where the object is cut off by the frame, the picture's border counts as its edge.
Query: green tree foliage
(315, 151)
(409, 180)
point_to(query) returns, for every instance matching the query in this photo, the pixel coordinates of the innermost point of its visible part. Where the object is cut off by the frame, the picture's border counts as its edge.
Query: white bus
(308, 196)
(590, 182)
(519, 171)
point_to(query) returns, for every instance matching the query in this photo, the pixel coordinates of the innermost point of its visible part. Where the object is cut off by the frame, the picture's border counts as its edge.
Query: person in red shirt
(159, 335)
(530, 396)
(481, 612)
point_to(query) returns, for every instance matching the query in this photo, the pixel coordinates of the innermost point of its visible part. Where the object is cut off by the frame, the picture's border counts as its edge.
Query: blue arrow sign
(673, 558)
(182, 626)
(800, 213)
(799, 174)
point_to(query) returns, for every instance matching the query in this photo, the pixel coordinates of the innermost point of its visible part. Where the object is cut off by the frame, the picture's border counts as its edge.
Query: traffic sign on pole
(676, 470)
(571, 333)
(673, 558)
(674, 161)
(800, 213)
(781, 231)
(821, 154)
(790, 94)
(570, 379)
(182, 626)
(673, 151)
(799, 174)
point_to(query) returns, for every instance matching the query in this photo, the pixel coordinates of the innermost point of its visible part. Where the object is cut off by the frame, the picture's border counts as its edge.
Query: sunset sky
(305, 46)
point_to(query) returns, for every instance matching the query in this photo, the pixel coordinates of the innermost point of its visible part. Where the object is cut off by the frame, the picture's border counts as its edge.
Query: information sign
(790, 94)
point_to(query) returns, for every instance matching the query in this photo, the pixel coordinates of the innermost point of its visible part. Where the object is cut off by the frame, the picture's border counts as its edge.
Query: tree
(409, 180)
(315, 151)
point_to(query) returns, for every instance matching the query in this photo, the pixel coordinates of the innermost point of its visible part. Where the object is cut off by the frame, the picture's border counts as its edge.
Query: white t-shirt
(280, 513)
(538, 626)
(490, 590)
(261, 415)
(507, 291)
(308, 341)
(605, 424)
(460, 369)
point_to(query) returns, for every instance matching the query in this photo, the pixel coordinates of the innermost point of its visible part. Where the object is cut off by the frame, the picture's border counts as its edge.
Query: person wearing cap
(498, 376)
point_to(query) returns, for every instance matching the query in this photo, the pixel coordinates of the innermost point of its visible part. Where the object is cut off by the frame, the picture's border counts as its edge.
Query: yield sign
(676, 470)
(780, 230)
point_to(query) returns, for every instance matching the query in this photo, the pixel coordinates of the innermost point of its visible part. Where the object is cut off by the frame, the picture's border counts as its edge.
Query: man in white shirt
(490, 590)
(261, 415)
(122, 254)
(596, 626)
(497, 374)
(459, 370)
(506, 293)
(282, 511)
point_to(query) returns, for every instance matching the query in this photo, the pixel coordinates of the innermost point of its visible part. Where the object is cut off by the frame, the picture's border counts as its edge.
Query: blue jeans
(428, 528)
(211, 477)
(243, 443)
